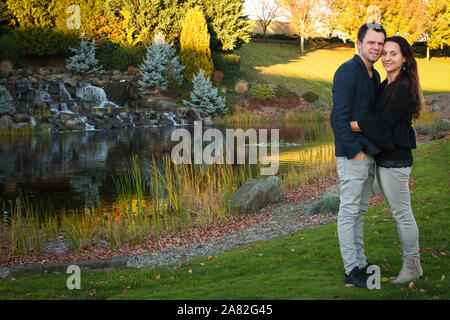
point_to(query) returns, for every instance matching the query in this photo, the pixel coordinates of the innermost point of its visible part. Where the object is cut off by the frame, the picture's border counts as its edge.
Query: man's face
(372, 45)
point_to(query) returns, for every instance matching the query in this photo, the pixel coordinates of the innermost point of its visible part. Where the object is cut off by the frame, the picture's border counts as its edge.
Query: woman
(399, 100)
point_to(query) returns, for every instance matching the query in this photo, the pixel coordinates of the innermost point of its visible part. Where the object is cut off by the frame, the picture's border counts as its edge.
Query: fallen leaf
(190, 271)
(411, 286)
(158, 277)
(349, 285)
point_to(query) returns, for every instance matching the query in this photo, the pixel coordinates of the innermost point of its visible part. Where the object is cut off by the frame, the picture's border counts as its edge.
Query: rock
(435, 108)
(74, 124)
(117, 92)
(167, 119)
(193, 114)
(208, 121)
(70, 81)
(256, 194)
(21, 117)
(19, 125)
(424, 130)
(5, 121)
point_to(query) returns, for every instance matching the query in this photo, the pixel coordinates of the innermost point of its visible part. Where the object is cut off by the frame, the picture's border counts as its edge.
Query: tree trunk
(428, 53)
(302, 45)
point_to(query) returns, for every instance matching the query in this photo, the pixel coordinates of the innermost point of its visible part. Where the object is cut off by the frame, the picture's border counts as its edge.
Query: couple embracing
(374, 137)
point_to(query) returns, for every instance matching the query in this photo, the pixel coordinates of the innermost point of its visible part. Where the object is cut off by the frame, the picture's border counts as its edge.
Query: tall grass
(165, 198)
(20, 231)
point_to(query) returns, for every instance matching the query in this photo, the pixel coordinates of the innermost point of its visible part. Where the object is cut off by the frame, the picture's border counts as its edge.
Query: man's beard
(365, 54)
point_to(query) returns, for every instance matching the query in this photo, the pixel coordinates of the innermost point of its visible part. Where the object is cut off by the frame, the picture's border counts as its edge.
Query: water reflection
(76, 170)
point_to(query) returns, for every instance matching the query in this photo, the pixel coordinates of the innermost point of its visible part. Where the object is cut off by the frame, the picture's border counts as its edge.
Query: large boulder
(256, 194)
(74, 125)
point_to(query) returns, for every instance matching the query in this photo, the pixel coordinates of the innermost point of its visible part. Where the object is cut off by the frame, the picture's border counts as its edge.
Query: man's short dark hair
(373, 26)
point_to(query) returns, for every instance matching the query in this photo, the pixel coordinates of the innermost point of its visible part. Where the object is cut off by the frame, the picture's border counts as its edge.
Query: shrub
(262, 91)
(241, 87)
(310, 96)
(217, 77)
(195, 53)
(6, 101)
(440, 127)
(112, 56)
(11, 50)
(328, 204)
(6, 66)
(204, 97)
(228, 63)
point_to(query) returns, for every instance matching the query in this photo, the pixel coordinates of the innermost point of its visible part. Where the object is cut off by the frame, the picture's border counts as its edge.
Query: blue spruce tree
(159, 64)
(84, 60)
(204, 97)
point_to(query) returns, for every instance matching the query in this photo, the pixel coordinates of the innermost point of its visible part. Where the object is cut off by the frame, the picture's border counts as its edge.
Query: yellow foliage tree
(195, 53)
(303, 15)
(438, 12)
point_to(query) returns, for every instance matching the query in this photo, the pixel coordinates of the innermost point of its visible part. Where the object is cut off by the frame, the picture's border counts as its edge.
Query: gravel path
(282, 219)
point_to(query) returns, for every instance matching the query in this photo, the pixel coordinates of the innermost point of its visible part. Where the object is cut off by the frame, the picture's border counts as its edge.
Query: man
(355, 88)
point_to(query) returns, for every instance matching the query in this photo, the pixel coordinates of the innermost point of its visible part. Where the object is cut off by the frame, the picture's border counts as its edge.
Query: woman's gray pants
(394, 185)
(355, 180)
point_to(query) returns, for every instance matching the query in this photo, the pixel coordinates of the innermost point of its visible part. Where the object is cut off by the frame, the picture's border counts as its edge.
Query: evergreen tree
(84, 60)
(204, 97)
(229, 28)
(195, 52)
(159, 64)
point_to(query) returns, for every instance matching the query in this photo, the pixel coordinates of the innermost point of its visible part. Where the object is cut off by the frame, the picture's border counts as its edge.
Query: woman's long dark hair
(408, 74)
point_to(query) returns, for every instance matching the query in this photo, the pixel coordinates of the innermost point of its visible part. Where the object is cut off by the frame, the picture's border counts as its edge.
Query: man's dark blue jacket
(353, 98)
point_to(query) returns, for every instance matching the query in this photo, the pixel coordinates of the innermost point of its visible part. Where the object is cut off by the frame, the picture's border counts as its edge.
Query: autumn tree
(303, 16)
(195, 53)
(349, 15)
(266, 13)
(438, 31)
(405, 18)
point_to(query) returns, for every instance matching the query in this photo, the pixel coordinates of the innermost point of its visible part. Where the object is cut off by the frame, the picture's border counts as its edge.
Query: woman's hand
(354, 126)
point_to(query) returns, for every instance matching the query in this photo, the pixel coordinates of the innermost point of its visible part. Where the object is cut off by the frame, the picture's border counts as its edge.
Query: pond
(72, 171)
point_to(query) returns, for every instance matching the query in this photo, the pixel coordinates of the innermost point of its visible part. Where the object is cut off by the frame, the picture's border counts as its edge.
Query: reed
(20, 230)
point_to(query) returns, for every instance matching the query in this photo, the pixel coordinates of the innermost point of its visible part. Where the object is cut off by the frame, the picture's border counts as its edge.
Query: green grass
(314, 71)
(305, 265)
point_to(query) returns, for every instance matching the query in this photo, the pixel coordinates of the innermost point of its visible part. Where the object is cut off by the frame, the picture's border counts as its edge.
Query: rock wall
(51, 99)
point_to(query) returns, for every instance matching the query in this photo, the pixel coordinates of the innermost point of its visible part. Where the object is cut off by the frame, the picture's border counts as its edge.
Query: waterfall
(63, 93)
(42, 93)
(88, 126)
(93, 94)
(170, 116)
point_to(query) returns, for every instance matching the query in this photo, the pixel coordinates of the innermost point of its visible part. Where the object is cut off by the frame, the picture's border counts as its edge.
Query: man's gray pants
(355, 180)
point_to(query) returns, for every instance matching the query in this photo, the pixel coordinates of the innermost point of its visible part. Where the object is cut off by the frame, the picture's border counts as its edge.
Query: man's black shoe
(364, 270)
(356, 278)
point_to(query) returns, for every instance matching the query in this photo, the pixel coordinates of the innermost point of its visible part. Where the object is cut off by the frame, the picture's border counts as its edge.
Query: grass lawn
(305, 265)
(315, 70)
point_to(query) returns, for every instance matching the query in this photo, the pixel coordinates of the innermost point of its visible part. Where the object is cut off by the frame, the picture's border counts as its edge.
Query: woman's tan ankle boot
(411, 270)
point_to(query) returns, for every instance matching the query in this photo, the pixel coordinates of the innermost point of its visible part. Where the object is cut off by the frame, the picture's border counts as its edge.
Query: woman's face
(392, 57)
